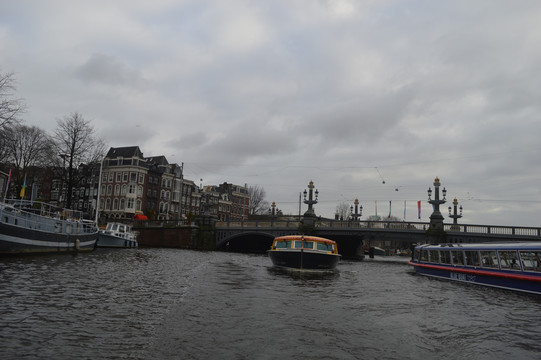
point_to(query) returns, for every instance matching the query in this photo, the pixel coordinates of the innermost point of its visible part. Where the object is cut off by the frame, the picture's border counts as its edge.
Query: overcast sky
(369, 99)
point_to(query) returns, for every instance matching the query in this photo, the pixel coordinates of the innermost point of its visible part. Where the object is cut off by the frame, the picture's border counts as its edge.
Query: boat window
(531, 260)
(324, 246)
(445, 257)
(489, 259)
(433, 256)
(472, 258)
(304, 244)
(282, 245)
(509, 260)
(424, 255)
(458, 257)
(417, 252)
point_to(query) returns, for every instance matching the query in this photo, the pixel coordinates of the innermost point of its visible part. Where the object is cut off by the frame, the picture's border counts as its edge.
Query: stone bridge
(353, 236)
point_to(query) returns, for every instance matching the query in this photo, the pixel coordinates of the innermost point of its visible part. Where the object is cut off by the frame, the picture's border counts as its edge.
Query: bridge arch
(247, 241)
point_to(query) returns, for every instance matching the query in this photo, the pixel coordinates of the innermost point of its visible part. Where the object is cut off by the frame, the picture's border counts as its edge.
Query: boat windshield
(472, 258)
(489, 259)
(457, 257)
(324, 247)
(509, 260)
(304, 244)
(531, 260)
(282, 245)
(445, 257)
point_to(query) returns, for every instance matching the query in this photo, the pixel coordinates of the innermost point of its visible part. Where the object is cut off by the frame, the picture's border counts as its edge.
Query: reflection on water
(297, 274)
(177, 304)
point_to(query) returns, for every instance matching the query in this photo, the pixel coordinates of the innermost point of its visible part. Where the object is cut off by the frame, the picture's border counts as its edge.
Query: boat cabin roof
(306, 238)
(534, 245)
(118, 227)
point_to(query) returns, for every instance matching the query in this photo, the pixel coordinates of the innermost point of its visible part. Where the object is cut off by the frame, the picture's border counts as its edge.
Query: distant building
(123, 179)
(131, 183)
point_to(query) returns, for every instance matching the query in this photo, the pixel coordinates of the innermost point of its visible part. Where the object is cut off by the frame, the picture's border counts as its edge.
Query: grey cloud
(106, 69)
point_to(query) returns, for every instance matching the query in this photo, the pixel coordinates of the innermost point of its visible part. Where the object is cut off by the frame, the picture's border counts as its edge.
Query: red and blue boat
(511, 266)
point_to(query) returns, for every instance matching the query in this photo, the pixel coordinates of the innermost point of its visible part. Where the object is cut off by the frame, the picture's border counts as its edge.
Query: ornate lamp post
(272, 210)
(309, 215)
(455, 216)
(436, 219)
(358, 211)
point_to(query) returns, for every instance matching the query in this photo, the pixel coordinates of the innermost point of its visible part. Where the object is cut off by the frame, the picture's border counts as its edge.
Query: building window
(115, 204)
(122, 204)
(130, 204)
(117, 190)
(141, 178)
(133, 176)
(125, 178)
(138, 206)
(109, 189)
(111, 176)
(124, 187)
(118, 177)
(139, 191)
(131, 189)
(108, 204)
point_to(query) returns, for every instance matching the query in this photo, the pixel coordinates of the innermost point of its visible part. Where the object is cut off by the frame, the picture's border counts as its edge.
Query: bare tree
(258, 205)
(343, 211)
(27, 147)
(10, 107)
(75, 143)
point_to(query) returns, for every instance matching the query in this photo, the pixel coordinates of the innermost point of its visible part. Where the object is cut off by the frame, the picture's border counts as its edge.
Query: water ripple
(171, 304)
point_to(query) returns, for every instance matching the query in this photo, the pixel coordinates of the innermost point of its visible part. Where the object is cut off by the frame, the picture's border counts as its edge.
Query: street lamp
(310, 202)
(436, 219)
(455, 216)
(272, 210)
(357, 214)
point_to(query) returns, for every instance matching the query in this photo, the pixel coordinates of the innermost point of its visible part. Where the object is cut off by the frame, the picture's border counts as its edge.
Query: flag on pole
(23, 189)
(7, 185)
(419, 209)
(389, 209)
(376, 209)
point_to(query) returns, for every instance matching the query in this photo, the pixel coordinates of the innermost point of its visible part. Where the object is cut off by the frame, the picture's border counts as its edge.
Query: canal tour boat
(512, 266)
(304, 252)
(117, 235)
(36, 227)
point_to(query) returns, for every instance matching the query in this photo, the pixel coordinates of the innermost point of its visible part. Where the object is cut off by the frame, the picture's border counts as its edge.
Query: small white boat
(117, 235)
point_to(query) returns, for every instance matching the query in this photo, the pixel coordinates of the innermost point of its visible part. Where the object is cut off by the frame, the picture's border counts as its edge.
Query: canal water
(179, 304)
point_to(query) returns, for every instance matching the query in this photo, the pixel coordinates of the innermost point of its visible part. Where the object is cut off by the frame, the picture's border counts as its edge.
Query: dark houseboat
(36, 227)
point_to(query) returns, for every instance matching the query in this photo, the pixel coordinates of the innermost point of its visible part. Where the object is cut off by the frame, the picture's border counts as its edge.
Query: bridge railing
(259, 224)
(387, 225)
(494, 229)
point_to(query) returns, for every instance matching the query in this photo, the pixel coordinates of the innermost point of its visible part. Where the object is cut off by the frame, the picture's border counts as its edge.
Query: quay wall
(199, 235)
(167, 237)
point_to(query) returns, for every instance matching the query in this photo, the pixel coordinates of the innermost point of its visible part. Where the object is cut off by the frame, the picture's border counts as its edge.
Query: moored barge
(36, 227)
